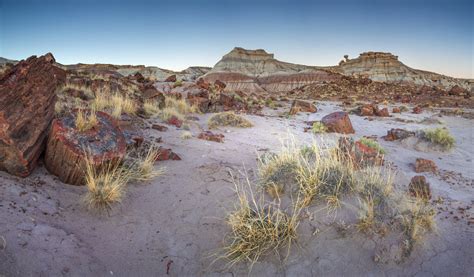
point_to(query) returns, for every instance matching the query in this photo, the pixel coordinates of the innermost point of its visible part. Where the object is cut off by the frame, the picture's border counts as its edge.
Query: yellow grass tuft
(228, 119)
(151, 107)
(440, 136)
(142, 167)
(186, 135)
(258, 228)
(85, 120)
(105, 185)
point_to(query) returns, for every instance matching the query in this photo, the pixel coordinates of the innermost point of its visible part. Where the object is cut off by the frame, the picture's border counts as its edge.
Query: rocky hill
(385, 67)
(257, 70)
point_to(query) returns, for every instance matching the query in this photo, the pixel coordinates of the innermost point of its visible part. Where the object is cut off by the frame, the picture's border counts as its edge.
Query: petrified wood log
(27, 98)
(67, 147)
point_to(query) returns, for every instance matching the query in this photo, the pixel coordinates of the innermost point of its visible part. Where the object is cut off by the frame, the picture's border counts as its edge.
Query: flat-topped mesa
(241, 53)
(385, 67)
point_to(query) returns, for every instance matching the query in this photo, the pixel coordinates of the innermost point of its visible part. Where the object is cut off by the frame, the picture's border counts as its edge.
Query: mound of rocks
(27, 99)
(338, 122)
(67, 147)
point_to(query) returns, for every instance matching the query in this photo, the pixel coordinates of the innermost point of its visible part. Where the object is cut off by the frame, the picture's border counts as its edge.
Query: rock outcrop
(67, 147)
(385, 67)
(27, 99)
(338, 122)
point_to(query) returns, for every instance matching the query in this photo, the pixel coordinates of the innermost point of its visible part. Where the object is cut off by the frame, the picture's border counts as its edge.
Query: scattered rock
(382, 113)
(398, 134)
(174, 121)
(396, 110)
(338, 122)
(424, 165)
(208, 135)
(202, 84)
(367, 156)
(171, 79)
(159, 127)
(219, 85)
(165, 154)
(302, 106)
(66, 147)
(417, 110)
(27, 99)
(419, 187)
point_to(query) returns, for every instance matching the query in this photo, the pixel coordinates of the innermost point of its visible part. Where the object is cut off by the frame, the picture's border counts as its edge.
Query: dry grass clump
(141, 164)
(85, 120)
(116, 103)
(151, 107)
(178, 108)
(418, 220)
(319, 128)
(258, 228)
(186, 135)
(228, 119)
(105, 185)
(277, 171)
(439, 136)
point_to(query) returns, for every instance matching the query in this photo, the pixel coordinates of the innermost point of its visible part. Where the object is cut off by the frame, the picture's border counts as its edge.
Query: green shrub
(439, 136)
(319, 128)
(372, 144)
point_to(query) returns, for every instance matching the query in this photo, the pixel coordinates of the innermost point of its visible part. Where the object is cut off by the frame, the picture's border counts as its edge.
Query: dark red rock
(159, 127)
(382, 113)
(419, 187)
(396, 110)
(397, 134)
(171, 78)
(424, 165)
(27, 99)
(174, 121)
(67, 147)
(202, 84)
(165, 154)
(302, 106)
(208, 135)
(219, 85)
(200, 102)
(457, 91)
(367, 110)
(139, 77)
(338, 122)
(417, 110)
(367, 156)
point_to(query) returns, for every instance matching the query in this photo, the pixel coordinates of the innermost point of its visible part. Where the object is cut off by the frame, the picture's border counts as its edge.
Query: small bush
(258, 228)
(319, 128)
(85, 120)
(151, 107)
(178, 83)
(186, 135)
(178, 108)
(141, 164)
(372, 144)
(439, 136)
(228, 119)
(404, 109)
(105, 185)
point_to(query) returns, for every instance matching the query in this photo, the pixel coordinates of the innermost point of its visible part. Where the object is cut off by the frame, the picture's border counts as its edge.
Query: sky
(430, 35)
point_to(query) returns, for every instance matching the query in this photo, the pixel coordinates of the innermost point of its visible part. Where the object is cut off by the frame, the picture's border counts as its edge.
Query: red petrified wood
(27, 99)
(67, 146)
(338, 122)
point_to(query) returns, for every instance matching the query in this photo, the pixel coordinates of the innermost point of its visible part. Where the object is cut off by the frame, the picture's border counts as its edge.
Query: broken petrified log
(67, 147)
(338, 122)
(27, 99)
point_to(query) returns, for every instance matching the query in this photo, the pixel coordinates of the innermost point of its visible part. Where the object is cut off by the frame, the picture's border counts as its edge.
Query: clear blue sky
(430, 35)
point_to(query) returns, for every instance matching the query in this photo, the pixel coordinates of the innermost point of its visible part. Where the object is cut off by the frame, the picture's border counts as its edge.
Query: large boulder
(302, 106)
(338, 122)
(27, 99)
(67, 146)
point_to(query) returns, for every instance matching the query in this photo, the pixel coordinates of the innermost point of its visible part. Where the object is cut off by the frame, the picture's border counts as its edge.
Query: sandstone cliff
(385, 67)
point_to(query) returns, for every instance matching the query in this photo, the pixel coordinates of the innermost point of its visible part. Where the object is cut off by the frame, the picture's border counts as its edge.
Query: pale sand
(177, 221)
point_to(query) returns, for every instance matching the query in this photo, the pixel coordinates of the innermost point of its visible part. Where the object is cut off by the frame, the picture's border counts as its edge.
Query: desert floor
(176, 223)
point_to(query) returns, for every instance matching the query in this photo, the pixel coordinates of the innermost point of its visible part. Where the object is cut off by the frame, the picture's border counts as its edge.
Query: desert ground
(176, 224)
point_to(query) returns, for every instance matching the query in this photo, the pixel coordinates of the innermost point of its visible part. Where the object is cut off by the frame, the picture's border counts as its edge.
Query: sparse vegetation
(186, 135)
(151, 107)
(319, 128)
(178, 108)
(117, 103)
(178, 83)
(85, 120)
(142, 165)
(105, 184)
(439, 136)
(228, 119)
(372, 144)
(258, 228)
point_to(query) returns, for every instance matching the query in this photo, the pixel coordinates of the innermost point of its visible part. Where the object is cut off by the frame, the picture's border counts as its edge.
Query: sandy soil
(175, 223)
